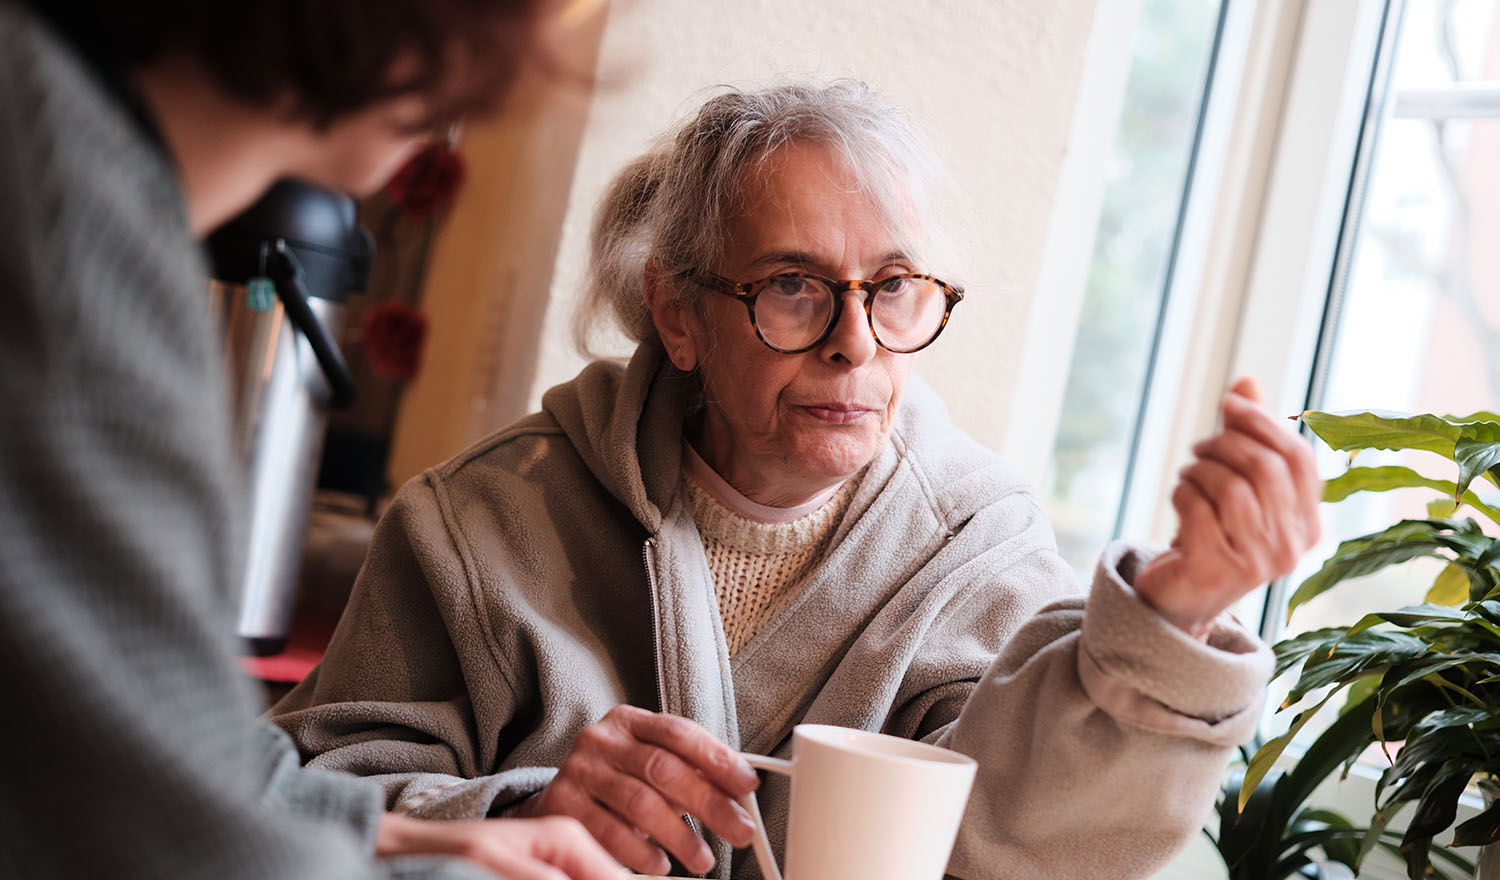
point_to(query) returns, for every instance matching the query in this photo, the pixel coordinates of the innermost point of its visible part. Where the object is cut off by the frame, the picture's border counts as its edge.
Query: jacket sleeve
(132, 742)
(411, 692)
(1101, 731)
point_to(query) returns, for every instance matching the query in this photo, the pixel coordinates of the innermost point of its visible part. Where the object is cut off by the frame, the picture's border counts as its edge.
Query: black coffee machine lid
(316, 223)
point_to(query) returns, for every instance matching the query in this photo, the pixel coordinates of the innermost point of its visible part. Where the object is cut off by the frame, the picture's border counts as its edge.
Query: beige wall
(993, 82)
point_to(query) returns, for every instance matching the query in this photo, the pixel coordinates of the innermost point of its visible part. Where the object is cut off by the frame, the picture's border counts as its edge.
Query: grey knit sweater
(132, 744)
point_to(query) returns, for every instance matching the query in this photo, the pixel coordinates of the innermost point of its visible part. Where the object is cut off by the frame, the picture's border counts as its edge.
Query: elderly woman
(765, 519)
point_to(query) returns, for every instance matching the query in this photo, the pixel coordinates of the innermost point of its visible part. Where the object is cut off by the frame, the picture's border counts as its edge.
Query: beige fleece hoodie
(517, 592)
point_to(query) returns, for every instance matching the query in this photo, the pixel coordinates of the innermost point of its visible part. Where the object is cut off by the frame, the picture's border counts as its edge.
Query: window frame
(1271, 290)
(1249, 291)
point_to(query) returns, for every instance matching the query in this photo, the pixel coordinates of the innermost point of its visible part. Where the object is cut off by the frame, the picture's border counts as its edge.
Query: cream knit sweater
(756, 563)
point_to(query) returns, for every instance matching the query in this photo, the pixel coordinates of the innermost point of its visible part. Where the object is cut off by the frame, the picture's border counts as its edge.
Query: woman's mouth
(836, 413)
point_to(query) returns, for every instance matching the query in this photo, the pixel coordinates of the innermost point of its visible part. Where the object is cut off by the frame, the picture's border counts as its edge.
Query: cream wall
(993, 83)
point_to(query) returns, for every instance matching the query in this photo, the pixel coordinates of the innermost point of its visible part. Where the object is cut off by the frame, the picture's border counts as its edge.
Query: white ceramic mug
(864, 806)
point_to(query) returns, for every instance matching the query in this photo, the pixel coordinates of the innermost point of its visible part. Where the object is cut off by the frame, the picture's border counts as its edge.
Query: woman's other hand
(1247, 509)
(519, 849)
(632, 776)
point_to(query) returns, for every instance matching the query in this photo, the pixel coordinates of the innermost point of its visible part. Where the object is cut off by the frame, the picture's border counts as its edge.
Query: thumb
(1247, 387)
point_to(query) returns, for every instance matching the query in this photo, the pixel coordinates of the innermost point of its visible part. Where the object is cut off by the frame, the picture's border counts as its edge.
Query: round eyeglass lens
(791, 311)
(907, 312)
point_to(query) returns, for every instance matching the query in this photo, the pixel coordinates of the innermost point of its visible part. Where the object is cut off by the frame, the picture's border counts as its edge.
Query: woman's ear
(673, 320)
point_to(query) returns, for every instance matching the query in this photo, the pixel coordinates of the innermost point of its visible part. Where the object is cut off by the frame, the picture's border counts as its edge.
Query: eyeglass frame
(742, 291)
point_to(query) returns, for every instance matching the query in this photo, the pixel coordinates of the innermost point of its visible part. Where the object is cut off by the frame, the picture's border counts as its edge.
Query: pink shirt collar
(732, 499)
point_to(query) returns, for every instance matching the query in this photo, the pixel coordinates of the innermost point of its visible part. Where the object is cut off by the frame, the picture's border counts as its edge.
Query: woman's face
(783, 427)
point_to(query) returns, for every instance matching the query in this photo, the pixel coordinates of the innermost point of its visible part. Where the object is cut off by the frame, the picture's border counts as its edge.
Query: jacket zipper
(661, 687)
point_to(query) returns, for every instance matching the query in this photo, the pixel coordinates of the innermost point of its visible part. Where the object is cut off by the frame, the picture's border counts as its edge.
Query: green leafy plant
(1423, 680)
(1274, 835)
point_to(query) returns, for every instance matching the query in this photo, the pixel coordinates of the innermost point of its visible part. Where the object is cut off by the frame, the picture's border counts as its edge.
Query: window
(1171, 61)
(1414, 319)
(1368, 277)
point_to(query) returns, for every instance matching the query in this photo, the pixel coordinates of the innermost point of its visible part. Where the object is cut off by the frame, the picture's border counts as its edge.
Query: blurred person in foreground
(766, 518)
(127, 131)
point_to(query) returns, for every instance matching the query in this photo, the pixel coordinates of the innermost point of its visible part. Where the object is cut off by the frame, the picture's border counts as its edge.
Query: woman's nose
(851, 340)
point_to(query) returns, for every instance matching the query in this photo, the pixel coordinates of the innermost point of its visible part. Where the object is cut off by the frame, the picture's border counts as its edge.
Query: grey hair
(674, 203)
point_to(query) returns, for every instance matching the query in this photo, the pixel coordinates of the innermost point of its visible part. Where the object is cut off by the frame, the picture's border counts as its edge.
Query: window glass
(1418, 329)
(1170, 49)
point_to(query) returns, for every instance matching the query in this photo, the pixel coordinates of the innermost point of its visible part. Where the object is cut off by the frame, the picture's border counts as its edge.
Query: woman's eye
(896, 287)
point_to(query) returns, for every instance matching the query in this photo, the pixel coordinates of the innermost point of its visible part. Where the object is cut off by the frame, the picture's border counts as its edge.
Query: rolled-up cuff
(444, 797)
(1145, 671)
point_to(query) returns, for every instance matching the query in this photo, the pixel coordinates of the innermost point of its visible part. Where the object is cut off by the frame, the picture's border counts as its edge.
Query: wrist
(1172, 602)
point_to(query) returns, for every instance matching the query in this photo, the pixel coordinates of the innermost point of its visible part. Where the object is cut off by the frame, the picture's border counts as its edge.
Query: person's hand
(554, 848)
(1247, 510)
(631, 776)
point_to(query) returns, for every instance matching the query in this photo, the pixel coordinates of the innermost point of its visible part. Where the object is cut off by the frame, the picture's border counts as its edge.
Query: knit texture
(755, 565)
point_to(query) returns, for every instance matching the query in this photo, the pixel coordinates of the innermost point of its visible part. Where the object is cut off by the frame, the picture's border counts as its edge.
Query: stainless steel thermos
(282, 272)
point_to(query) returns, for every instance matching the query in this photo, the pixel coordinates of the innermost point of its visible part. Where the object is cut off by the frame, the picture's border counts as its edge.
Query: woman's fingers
(1236, 508)
(554, 848)
(631, 776)
(1245, 416)
(1247, 509)
(567, 845)
(645, 808)
(718, 763)
(620, 838)
(689, 792)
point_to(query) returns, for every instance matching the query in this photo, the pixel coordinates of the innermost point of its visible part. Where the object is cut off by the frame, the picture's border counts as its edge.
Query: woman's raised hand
(1247, 508)
(632, 776)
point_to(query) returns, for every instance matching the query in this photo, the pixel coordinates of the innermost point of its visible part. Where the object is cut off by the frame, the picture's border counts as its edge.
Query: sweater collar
(736, 502)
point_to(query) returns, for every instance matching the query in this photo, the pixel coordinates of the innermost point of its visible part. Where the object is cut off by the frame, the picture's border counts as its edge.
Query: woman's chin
(834, 459)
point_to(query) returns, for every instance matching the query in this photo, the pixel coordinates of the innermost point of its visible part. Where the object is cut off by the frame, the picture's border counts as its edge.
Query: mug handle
(762, 844)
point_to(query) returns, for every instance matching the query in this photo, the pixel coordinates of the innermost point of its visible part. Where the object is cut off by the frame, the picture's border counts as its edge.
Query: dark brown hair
(329, 58)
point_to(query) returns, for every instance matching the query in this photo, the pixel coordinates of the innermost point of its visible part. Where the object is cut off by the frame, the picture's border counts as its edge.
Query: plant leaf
(1386, 478)
(1378, 824)
(1439, 803)
(1242, 835)
(1480, 830)
(1413, 616)
(1401, 542)
(1360, 690)
(1340, 742)
(1354, 657)
(1383, 430)
(1451, 586)
(1265, 756)
(1474, 457)
(1292, 651)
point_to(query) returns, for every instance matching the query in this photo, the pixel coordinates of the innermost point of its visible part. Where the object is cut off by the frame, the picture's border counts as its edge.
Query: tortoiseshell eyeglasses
(793, 312)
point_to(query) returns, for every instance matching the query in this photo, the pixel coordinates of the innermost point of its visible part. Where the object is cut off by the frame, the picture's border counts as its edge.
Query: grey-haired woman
(765, 519)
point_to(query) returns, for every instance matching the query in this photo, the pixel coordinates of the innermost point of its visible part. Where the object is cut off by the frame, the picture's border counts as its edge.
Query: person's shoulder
(959, 468)
(87, 180)
(534, 438)
(54, 98)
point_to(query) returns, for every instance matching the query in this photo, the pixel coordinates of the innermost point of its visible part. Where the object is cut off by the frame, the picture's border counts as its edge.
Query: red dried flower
(393, 334)
(427, 184)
